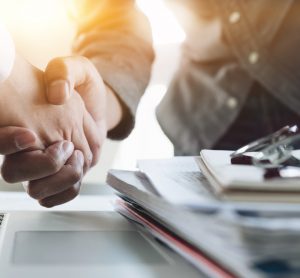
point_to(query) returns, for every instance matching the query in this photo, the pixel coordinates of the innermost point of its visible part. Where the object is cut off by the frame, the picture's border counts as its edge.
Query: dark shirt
(230, 45)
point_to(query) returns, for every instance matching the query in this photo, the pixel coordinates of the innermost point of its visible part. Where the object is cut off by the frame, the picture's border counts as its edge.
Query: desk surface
(93, 197)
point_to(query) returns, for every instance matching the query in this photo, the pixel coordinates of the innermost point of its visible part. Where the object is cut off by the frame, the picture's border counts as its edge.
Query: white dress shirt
(7, 53)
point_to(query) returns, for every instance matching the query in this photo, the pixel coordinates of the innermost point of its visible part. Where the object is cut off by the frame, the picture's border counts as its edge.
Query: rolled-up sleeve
(7, 53)
(116, 36)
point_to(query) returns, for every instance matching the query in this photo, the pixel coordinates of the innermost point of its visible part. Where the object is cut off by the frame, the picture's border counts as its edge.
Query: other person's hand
(23, 104)
(58, 161)
(67, 76)
(16, 139)
(76, 74)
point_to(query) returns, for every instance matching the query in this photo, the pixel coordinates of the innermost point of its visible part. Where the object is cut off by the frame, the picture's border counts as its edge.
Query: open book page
(178, 180)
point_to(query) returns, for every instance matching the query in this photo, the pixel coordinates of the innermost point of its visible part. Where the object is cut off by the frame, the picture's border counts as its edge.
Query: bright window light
(165, 27)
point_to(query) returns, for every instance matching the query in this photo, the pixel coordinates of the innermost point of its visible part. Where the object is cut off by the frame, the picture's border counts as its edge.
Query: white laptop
(82, 244)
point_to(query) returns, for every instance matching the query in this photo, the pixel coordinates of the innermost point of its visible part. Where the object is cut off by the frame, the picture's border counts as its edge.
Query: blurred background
(43, 29)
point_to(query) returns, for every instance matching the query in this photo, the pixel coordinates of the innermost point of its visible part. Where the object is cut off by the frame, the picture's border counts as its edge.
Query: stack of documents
(245, 182)
(183, 207)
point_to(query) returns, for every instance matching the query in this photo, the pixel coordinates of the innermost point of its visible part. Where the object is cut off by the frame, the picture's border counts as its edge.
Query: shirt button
(253, 57)
(234, 17)
(232, 103)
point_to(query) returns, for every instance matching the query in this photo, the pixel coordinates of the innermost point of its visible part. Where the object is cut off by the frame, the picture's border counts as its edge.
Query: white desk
(93, 197)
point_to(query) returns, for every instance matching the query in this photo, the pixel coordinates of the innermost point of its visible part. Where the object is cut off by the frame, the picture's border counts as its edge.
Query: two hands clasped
(53, 125)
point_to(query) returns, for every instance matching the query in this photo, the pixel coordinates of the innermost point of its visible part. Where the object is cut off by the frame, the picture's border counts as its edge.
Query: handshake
(52, 126)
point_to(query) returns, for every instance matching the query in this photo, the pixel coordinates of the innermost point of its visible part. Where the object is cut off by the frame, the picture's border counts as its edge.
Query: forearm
(117, 39)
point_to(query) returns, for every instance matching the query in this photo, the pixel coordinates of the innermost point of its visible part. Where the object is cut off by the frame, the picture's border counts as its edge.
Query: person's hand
(23, 98)
(76, 74)
(58, 161)
(67, 76)
(54, 174)
(61, 167)
(23, 103)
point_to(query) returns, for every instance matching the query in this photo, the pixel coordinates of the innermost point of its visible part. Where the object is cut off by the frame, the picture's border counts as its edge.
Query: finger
(36, 164)
(62, 75)
(81, 141)
(61, 198)
(70, 174)
(16, 139)
(94, 136)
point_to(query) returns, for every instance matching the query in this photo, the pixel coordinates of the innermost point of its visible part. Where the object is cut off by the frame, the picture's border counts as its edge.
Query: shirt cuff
(7, 53)
(128, 85)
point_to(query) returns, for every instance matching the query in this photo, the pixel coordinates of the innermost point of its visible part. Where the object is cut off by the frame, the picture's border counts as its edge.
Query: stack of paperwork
(182, 206)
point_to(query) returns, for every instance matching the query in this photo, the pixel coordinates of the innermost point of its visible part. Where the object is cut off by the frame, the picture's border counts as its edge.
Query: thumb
(63, 75)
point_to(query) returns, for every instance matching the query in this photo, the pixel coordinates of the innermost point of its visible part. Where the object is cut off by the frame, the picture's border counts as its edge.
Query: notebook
(244, 182)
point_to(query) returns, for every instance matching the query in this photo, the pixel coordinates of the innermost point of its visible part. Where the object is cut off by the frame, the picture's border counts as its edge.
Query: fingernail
(25, 140)
(58, 91)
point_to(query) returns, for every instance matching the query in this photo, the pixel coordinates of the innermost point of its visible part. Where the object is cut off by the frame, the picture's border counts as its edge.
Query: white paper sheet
(178, 180)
